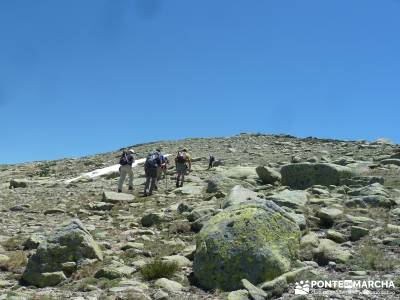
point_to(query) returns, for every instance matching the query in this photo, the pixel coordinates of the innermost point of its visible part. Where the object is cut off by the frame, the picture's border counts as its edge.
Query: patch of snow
(107, 170)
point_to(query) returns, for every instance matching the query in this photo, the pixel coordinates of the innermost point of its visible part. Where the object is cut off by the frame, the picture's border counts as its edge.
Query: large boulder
(256, 240)
(70, 242)
(305, 175)
(238, 194)
(268, 175)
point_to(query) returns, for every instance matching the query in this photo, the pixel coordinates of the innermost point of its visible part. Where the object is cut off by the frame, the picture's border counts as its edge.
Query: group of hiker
(155, 167)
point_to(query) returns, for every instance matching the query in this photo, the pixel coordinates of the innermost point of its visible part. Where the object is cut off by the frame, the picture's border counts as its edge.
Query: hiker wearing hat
(125, 168)
(151, 169)
(183, 164)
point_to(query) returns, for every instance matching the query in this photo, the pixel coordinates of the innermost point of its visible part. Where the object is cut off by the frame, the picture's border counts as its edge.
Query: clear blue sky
(83, 77)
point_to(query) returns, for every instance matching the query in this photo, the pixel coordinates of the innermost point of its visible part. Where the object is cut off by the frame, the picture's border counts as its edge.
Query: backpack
(124, 160)
(181, 158)
(152, 160)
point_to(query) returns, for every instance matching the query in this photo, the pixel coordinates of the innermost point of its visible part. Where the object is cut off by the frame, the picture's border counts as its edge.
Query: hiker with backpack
(151, 167)
(183, 164)
(126, 160)
(211, 161)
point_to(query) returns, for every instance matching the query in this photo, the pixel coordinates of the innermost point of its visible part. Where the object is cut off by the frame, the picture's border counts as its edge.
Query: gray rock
(308, 242)
(33, 241)
(268, 175)
(357, 232)
(183, 207)
(197, 225)
(254, 292)
(370, 190)
(19, 183)
(161, 295)
(328, 215)
(336, 236)
(392, 161)
(276, 287)
(238, 194)
(238, 295)
(152, 218)
(190, 189)
(115, 198)
(292, 199)
(69, 242)
(200, 212)
(305, 175)
(114, 271)
(168, 285)
(240, 172)
(180, 260)
(102, 206)
(330, 251)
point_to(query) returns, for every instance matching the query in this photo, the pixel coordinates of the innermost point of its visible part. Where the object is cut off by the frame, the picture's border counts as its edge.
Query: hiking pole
(166, 178)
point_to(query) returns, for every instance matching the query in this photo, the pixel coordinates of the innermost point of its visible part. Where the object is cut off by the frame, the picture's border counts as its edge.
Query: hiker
(151, 167)
(183, 164)
(160, 155)
(164, 166)
(125, 168)
(211, 161)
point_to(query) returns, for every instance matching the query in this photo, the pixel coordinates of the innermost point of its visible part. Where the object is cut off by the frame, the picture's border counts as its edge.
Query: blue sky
(83, 77)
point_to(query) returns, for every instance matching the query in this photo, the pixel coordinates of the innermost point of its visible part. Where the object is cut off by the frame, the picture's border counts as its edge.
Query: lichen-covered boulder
(256, 240)
(305, 175)
(70, 242)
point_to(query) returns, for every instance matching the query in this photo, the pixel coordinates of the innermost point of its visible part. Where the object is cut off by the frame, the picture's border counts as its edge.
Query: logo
(360, 287)
(302, 288)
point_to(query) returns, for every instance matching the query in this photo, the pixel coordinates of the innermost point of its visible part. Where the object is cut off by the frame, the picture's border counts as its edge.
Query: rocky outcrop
(70, 242)
(305, 175)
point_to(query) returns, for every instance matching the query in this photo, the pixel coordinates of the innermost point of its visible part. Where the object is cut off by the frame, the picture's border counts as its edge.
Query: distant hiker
(151, 167)
(126, 162)
(211, 161)
(183, 164)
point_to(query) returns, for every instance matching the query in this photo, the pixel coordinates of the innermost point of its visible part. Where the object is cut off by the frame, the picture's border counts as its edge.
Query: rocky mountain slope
(275, 211)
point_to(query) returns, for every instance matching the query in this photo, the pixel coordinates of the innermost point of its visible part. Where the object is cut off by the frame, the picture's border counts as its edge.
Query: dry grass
(159, 269)
(373, 258)
(160, 249)
(87, 271)
(17, 262)
(14, 243)
(179, 227)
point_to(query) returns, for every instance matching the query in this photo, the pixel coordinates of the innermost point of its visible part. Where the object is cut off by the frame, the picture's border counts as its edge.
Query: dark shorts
(181, 168)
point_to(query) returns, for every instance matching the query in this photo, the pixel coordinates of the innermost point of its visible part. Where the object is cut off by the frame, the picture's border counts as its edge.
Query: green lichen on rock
(255, 240)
